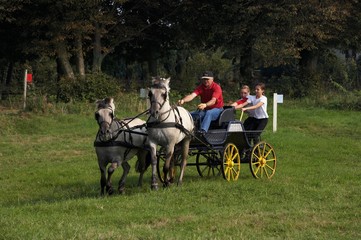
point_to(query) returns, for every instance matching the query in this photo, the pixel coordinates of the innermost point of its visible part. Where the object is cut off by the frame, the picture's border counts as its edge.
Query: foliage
(200, 62)
(88, 88)
(147, 38)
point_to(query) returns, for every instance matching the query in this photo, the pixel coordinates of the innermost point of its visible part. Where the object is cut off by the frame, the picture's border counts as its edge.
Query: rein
(121, 128)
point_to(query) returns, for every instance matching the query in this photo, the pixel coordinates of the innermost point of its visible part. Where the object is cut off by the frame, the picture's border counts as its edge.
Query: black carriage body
(216, 139)
(224, 147)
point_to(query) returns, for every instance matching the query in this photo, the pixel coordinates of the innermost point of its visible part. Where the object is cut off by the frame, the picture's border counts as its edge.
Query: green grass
(50, 185)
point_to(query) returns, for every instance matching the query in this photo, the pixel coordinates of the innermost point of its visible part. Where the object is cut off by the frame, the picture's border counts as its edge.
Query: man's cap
(207, 74)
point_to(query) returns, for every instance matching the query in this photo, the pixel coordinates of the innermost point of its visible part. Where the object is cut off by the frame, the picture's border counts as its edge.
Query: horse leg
(103, 179)
(121, 185)
(166, 167)
(153, 153)
(111, 169)
(143, 163)
(172, 169)
(185, 150)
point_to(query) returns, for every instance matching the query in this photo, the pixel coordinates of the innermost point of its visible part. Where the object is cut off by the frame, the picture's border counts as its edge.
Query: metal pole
(25, 87)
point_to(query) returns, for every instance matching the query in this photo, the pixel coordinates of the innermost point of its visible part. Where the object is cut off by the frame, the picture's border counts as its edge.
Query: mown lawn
(50, 185)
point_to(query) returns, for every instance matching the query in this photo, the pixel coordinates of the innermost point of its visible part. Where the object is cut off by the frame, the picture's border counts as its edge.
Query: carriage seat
(228, 114)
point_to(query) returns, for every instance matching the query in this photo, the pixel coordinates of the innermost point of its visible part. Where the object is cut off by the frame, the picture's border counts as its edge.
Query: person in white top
(259, 119)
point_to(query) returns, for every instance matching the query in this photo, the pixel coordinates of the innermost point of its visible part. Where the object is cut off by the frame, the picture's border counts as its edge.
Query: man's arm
(187, 98)
(207, 104)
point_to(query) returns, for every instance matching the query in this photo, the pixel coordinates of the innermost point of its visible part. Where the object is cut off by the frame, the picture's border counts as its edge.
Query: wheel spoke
(204, 170)
(268, 153)
(213, 173)
(235, 174)
(234, 156)
(257, 169)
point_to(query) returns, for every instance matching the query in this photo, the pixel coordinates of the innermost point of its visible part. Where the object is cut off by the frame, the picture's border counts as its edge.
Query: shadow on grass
(84, 189)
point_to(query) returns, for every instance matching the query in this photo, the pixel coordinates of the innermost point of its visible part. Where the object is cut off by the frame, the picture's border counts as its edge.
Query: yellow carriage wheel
(263, 160)
(231, 162)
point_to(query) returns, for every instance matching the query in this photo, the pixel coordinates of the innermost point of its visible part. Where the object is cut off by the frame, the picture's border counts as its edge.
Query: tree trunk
(152, 62)
(308, 62)
(246, 68)
(97, 50)
(64, 64)
(79, 56)
(6, 80)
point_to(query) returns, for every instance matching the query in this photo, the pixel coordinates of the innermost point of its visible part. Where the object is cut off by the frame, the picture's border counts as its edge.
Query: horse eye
(164, 95)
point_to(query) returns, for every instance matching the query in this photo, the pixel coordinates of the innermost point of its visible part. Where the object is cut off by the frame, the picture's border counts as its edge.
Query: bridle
(102, 134)
(161, 105)
(112, 116)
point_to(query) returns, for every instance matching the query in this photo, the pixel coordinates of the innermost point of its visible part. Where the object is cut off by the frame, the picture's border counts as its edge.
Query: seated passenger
(259, 120)
(242, 102)
(211, 104)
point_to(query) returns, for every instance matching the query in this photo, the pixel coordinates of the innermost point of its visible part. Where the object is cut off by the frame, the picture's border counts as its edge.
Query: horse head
(158, 96)
(104, 117)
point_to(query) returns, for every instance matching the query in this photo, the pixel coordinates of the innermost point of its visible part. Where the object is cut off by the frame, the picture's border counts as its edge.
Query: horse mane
(107, 102)
(159, 82)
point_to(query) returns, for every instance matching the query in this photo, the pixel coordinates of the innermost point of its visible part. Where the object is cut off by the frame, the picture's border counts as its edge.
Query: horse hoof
(121, 190)
(110, 191)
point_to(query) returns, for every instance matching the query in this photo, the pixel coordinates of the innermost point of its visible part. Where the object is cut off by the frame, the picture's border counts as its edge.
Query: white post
(143, 95)
(275, 100)
(25, 87)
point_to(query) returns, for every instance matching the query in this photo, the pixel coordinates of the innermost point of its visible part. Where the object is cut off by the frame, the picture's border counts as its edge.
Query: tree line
(291, 44)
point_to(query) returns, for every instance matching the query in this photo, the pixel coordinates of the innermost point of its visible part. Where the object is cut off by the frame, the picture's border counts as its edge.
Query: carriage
(222, 150)
(219, 152)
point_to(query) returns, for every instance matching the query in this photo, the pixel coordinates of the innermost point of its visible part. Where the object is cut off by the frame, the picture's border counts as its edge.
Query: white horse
(116, 142)
(167, 126)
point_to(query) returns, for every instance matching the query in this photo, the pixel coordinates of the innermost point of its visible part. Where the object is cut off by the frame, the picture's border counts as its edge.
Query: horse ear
(111, 103)
(154, 80)
(166, 81)
(99, 103)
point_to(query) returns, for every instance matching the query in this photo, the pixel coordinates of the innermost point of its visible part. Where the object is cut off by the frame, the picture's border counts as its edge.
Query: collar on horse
(177, 124)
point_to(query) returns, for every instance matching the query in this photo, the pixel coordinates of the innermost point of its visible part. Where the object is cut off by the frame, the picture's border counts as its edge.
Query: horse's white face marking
(158, 96)
(104, 117)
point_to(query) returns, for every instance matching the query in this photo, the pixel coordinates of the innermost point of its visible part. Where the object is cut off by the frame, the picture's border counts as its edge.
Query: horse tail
(142, 166)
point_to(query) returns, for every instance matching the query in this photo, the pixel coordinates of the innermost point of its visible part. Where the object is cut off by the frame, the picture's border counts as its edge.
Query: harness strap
(126, 152)
(113, 144)
(169, 125)
(180, 117)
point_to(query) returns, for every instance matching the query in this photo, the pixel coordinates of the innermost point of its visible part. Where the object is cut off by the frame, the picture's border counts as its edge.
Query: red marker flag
(29, 78)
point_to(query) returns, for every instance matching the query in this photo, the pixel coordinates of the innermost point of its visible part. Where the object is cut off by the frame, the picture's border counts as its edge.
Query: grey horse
(118, 141)
(167, 126)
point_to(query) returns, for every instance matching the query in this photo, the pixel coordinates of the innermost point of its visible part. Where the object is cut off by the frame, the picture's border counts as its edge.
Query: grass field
(50, 185)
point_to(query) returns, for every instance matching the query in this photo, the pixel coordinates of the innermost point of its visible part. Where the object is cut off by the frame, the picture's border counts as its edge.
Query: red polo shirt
(207, 94)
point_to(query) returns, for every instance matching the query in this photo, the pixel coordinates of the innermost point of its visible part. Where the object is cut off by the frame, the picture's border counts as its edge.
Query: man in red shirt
(211, 104)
